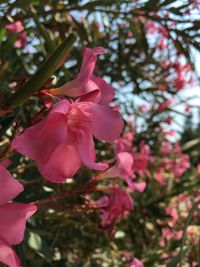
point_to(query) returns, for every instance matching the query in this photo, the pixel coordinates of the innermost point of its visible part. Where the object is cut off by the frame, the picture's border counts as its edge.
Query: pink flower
(143, 107)
(173, 213)
(162, 87)
(92, 88)
(142, 159)
(123, 168)
(170, 234)
(166, 148)
(163, 44)
(21, 40)
(164, 105)
(182, 74)
(180, 164)
(136, 263)
(13, 218)
(170, 133)
(124, 143)
(115, 206)
(15, 27)
(180, 81)
(187, 108)
(63, 141)
(160, 176)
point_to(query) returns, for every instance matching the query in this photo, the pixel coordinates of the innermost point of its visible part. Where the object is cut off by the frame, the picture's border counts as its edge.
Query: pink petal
(136, 263)
(63, 164)
(103, 201)
(62, 106)
(15, 27)
(9, 187)
(93, 96)
(13, 221)
(76, 87)
(106, 123)
(87, 152)
(122, 167)
(83, 84)
(106, 90)
(139, 186)
(8, 255)
(124, 162)
(39, 141)
(5, 163)
(112, 172)
(89, 61)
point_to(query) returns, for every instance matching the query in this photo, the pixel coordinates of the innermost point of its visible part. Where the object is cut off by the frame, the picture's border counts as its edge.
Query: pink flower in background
(165, 104)
(162, 87)
(182, 74)
(123, 168)
(166, 148)
(141, 159)
(172, 212)
(169, 121)
(124, 144)
(160, 176)
(170, 133)
(90, 87)
(21, 40)
(162, 43)
(17, 27)
(151, 27)
(175, 164)
(13, 218)
(63, 141)
(179, 81)
(136, 263)
(180, 164)
(187, 108)
(143, 107)
(114, 206)
(170, 234)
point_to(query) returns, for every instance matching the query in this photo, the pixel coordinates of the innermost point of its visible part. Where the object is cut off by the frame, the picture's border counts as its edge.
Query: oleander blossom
(86, 85)
(15, 27)
(142, 158)
(13, 217)
(124, 144)
(63, 141)
(136, 263)
(124, 168)
(18, 29)
(114, 206)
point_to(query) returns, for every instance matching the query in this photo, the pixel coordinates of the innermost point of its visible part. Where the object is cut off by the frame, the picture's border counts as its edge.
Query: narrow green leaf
(2, 34)
(190, 144)
(43, 74)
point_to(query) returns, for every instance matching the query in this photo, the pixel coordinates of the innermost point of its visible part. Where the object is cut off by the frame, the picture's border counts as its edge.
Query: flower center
(78, 119)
